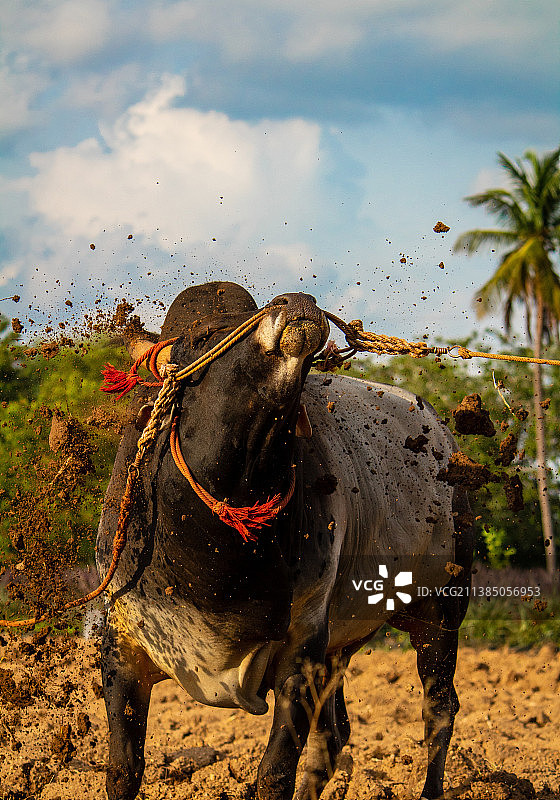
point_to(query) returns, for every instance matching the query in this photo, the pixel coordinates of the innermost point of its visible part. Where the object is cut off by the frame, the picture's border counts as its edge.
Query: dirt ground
(53, 730)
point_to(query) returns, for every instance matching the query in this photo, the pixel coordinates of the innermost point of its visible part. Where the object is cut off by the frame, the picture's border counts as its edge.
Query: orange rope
(240, 518)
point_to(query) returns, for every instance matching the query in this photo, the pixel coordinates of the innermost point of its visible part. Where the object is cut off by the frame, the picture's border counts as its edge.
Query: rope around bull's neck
(358, 340)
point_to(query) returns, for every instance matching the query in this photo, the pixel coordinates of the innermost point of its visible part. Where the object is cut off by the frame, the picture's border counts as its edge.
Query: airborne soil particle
(38, 517)
(105, 419)
(463, 471)
(513, 489)
(418, 444)
(122, 312)
(472, 418)
(441, 227)
(508, 450)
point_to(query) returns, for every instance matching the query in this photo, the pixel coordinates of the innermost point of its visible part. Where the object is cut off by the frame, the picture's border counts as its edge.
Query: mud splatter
(463, 471)
(513, 490)
(417, 444)
(508, 450)
(472, 418)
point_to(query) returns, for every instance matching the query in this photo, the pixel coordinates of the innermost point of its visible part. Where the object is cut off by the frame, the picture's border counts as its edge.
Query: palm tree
(528, 213)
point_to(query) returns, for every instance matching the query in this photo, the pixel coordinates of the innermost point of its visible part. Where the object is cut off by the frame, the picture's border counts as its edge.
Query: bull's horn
(143, 416)
(139, 347)
(164, 356)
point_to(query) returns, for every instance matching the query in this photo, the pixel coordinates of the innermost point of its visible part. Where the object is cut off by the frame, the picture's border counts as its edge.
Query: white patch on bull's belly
(397, 513)
(181, 642)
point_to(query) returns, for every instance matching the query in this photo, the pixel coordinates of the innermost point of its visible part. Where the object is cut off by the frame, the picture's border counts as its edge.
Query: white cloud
(62, 31)
(177, 174)
(192, 187)
(19, 86)
(105, 94)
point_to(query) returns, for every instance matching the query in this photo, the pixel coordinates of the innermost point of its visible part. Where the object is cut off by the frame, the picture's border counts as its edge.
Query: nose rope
(360, 341)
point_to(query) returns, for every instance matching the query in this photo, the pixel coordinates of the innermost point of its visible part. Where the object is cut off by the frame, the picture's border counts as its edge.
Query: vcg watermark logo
(380, 590)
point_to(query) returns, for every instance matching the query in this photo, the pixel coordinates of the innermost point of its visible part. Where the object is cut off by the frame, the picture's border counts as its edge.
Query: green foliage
(499, 552)
(494, 624)
(37, 385)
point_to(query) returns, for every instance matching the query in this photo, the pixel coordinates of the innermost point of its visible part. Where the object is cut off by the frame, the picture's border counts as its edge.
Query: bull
(365, 523)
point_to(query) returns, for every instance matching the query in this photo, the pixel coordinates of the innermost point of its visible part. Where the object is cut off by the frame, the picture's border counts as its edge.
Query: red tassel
(249, 518)
(117, 381)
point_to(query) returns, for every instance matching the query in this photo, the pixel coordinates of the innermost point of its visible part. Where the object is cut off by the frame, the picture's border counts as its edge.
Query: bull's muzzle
(301, 325)
(301, 338)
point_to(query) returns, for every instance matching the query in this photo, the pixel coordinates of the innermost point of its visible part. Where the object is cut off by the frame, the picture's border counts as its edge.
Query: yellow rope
(465, 353)
(367, 342)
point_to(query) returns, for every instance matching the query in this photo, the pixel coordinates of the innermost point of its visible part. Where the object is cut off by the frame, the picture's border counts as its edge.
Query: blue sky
(285, 145)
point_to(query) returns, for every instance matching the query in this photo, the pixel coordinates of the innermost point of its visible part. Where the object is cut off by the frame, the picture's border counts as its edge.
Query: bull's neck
(238, 448)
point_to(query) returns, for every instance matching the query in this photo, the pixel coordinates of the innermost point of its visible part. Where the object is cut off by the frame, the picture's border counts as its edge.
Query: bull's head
(239, 415)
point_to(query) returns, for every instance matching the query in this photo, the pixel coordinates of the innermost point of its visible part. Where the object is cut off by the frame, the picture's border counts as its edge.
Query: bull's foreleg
(299, 681)
(436, 660)
(128, 677)
(326, 740)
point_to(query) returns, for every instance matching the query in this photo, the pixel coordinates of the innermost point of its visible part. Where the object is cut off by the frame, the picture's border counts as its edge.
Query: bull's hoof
(274, 785)
(121, 784)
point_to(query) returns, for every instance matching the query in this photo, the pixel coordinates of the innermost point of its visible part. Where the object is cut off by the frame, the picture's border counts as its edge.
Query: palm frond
(471, 241)
(528, 212)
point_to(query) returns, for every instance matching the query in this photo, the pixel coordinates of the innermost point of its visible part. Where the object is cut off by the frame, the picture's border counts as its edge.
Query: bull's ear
(303, 426)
